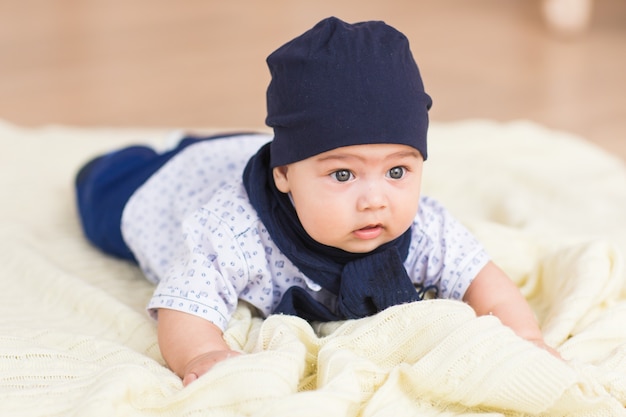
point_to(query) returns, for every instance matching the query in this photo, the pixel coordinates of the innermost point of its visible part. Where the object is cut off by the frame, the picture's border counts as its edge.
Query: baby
(324, 220)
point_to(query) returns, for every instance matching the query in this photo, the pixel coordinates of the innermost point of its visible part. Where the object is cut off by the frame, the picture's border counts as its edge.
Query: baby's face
(355, 198)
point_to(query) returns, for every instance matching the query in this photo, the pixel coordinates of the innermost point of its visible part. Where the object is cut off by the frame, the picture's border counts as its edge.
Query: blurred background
(201, 63)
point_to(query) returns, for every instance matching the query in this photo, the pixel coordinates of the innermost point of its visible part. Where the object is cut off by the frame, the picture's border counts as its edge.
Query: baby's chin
(362, 247)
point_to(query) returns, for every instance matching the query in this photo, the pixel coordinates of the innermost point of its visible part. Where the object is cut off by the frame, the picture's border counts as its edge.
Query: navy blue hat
(341, 84)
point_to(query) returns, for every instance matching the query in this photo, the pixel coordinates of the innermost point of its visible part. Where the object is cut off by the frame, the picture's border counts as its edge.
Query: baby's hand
(201, 364)
(543, 345)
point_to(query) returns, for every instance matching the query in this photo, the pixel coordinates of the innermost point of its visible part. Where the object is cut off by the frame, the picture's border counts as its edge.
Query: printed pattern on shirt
(443, 252)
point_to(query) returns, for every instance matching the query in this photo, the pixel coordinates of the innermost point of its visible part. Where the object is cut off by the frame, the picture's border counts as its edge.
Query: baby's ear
(280, 178)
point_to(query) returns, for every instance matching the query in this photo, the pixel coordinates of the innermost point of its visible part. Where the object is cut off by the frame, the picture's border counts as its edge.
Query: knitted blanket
(75, 339)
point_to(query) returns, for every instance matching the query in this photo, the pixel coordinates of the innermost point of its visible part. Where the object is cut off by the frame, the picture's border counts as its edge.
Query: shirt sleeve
(207, 278)
(443, 252)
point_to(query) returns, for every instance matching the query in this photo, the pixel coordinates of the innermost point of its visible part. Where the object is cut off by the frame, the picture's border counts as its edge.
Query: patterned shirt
(197, 237)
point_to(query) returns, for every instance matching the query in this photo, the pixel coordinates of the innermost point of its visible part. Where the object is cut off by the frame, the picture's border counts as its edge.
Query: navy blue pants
(104, 185)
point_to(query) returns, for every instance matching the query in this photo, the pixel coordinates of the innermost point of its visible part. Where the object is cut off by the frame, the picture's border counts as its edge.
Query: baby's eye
(342, 175)
(396, 172)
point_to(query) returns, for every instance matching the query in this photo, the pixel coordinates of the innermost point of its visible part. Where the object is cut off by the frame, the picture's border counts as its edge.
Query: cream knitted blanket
(75, 339)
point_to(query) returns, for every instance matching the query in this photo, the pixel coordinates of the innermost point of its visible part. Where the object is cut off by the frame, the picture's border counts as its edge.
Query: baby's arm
(189, 344)
(492, 292)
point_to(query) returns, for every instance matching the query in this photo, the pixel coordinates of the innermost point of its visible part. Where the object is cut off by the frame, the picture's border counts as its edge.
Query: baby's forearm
(183, 338)
(492, 292)
(517, 315)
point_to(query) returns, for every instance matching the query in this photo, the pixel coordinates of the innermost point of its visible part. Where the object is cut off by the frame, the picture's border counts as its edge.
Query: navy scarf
(363, 283)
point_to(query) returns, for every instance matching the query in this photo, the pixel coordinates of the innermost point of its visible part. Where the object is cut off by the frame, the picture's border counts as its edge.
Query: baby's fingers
(189, 378)
(203, 363)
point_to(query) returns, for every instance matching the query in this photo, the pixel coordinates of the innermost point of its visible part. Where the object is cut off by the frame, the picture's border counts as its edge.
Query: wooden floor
(201, 63)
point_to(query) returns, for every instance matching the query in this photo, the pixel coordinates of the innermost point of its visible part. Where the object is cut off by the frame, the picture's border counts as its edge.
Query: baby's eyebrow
(405, 154)
(336, 157)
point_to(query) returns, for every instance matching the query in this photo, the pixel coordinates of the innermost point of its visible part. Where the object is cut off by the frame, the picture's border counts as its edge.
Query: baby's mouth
(371, 226)
(371, 231)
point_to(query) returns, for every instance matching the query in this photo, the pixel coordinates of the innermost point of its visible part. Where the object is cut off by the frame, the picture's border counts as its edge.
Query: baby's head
(341, 84)
(350, 119)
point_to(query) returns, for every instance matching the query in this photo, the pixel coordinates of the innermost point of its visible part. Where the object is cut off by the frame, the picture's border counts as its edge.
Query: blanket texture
(75, 339)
